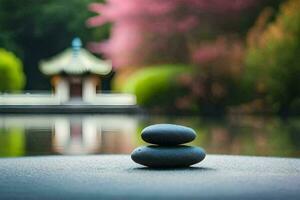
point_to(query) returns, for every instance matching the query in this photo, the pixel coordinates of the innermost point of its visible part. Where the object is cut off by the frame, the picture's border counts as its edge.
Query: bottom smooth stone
(167, 157)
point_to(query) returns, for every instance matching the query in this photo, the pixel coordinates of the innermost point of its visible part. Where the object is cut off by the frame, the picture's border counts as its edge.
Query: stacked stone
(168, 150)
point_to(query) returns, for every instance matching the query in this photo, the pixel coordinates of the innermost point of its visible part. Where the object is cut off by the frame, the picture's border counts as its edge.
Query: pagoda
(75, 73)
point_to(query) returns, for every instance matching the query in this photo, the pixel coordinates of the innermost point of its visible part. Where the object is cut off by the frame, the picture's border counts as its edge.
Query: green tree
(11, 72)
(273, 59)
(37, 30)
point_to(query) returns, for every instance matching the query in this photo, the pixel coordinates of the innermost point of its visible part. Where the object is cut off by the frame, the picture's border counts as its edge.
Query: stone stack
(167, 149)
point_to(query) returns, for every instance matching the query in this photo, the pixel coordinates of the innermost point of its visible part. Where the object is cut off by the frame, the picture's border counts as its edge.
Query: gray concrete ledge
(117, 177)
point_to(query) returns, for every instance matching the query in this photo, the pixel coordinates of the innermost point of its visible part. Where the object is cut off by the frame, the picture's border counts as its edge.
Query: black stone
(168, 134)
(167, 157)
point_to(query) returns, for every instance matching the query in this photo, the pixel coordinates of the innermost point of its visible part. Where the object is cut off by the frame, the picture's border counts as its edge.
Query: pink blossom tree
(152, 31)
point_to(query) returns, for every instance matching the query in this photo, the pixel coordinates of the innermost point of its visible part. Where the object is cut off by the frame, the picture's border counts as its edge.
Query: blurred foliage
(36, 30)
(273, 58)
(209, 37)
(154, 31)
(216, 80)
(12, 78)
(156, 86)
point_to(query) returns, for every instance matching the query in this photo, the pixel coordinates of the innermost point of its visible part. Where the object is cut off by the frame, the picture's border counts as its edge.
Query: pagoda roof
(75, 61)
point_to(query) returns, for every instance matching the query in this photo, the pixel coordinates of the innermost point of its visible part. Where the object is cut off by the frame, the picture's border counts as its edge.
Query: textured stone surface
(168, 134)
(117, 177)
(177, 156)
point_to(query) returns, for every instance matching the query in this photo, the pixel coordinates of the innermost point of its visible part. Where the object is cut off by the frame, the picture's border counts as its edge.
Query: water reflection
(93, 134)
(38, 135)
(116, 134)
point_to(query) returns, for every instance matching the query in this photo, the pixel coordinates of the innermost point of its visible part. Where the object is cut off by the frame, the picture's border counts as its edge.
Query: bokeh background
(237, 59)
(176, 56)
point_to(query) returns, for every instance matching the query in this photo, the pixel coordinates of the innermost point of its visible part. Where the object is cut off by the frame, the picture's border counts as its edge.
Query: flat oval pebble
(168, 134)
(167, 157)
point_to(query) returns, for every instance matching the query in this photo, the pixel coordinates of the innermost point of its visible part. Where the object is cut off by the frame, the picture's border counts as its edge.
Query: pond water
(26, 135)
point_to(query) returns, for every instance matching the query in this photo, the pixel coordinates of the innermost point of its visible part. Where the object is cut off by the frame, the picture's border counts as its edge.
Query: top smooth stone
(168, 134)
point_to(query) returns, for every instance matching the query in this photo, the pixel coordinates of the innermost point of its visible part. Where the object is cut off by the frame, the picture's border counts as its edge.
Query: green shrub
(273, 59)
(156, 87)
(12, 78)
